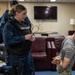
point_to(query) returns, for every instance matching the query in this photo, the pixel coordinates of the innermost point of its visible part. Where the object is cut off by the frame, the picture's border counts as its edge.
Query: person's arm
(4, 18)
(9, 36)
(69, 53)
(64, 63)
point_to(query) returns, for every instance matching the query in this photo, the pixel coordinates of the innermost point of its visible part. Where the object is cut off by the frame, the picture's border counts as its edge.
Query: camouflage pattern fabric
(62, 71)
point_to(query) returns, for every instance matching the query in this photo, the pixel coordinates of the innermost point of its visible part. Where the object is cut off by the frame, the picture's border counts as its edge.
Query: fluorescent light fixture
(20, 0)
(52, 0)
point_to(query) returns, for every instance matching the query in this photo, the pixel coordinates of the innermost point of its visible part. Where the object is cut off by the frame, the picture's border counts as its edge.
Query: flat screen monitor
(45, 12)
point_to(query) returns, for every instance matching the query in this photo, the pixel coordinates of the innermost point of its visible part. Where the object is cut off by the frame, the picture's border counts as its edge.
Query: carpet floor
(50, 73)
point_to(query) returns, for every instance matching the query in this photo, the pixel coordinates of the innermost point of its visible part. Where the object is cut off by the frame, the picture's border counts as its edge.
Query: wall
(64, 11)
(62, 25)
(3, 7)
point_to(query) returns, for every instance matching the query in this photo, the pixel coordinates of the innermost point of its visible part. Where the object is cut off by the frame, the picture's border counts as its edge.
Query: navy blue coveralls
(4, 19)
(12, 39)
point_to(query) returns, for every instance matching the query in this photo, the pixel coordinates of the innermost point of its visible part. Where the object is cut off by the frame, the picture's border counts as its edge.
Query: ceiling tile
(46, 0)
(67, 1)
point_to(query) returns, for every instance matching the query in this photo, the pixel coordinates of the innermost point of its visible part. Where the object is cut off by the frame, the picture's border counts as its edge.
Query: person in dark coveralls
(5, 17)
(17, 39)
(66, 58)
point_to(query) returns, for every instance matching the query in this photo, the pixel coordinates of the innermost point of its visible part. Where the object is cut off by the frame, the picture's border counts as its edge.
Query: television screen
(45, 12)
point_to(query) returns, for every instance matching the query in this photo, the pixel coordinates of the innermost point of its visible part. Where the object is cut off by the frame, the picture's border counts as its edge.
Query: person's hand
(56, 60)
(32, 38)
(28, 37)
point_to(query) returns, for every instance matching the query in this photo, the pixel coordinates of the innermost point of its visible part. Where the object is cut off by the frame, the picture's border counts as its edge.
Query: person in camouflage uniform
(62, 71)
(66, 58)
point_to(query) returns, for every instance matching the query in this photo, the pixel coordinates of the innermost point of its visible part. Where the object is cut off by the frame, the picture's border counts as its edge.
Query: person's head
(73, 35)
(19, 12)
(13, 3)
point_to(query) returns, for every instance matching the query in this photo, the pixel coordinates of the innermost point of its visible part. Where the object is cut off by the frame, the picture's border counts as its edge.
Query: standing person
(13, 3)
(66, 58)
(18, 40)
(6, 16)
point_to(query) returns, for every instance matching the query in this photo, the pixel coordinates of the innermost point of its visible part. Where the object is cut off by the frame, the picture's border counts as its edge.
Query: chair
(41, 54)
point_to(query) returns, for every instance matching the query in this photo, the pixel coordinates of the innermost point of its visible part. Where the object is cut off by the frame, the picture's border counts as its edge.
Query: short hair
(74, 32)
(13, 3)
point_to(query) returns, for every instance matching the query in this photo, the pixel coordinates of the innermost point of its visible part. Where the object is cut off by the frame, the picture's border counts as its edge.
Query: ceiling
(61, 1)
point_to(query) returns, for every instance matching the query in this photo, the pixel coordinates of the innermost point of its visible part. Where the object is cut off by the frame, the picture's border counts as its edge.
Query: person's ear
(17, 13)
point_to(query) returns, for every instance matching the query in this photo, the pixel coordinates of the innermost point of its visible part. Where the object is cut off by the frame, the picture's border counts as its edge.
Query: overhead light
(20, 0)
(52, 0)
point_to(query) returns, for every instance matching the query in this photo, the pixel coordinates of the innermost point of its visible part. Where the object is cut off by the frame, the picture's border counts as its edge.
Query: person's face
(21, 15)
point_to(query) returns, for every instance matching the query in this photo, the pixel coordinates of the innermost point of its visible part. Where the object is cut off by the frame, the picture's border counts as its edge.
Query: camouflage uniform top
(68, 50)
